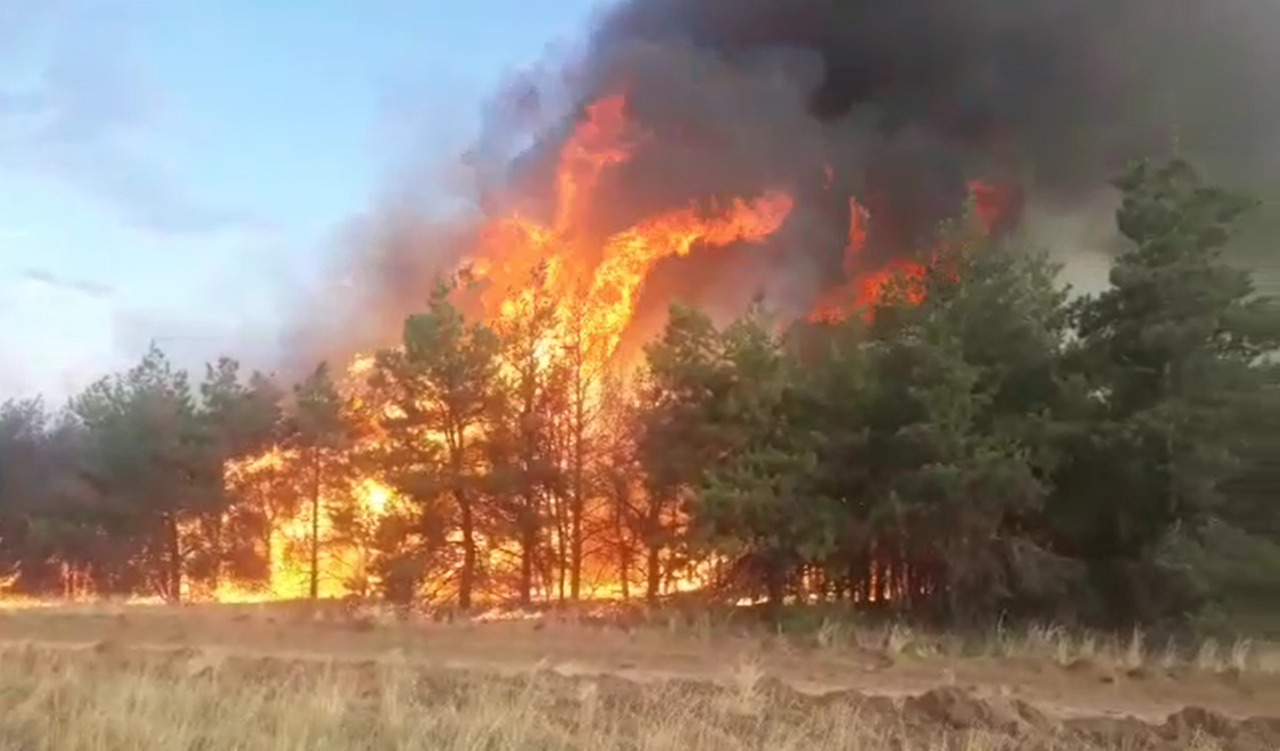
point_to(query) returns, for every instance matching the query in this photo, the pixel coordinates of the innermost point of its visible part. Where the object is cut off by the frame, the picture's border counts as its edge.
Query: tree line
(980, 443)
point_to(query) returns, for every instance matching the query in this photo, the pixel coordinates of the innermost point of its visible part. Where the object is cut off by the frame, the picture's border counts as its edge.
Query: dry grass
(1130, 651)
(281, 678)
(1050, 643)
(108, 699)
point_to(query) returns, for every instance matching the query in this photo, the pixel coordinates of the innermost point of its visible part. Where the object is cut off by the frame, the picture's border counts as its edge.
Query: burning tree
(922, 421)
(440, 387)
(936, 455)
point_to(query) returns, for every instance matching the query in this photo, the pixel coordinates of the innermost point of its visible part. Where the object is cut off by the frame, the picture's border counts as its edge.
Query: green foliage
(322, 436)
(759, 501)
(966, 384)
(238, 418)
(144, 452)
(980, 446)
(1173, 355)
(1250, 495)
(440, 386)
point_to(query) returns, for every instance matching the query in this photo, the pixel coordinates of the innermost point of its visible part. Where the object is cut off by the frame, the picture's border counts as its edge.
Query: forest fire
(592, 284)
(290, 536)
(622, 356)
(670, 180)
(321, 513)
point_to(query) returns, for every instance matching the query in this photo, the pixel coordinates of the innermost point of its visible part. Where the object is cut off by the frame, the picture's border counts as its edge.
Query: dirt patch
(1190, 728)
(957, 708)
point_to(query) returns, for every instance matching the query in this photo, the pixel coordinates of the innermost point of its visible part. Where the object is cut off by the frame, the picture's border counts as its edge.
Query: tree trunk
(217, 548)
(624, 572)
(173, 559)
(653, 575)
(528, 549)
(620, 537)
(466, 579)
(653, 532)
(576, 501)
(562, 573)
(268, 540)
(562, 549)
(314, 588)
(456, 438)
(527, 515)
(575, 540)
(774, 588)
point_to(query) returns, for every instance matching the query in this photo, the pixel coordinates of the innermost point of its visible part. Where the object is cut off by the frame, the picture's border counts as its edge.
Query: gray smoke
(904, 101)
(909, 99)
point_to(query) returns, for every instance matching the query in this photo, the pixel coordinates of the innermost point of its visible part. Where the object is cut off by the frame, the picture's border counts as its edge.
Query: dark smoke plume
(908, 97)
(903, 101)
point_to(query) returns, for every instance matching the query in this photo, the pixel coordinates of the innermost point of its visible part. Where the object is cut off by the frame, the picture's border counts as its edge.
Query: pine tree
(144, 454)
(760, 503)
(521, 431)
(441, 386)
(1172, 355)
(322, 439)
(240, 419)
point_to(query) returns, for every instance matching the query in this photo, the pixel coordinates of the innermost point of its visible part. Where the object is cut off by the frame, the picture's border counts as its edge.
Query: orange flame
(865, 288)
(289, 537)
(594, 282)
(601, 280)
(629, 256)
(598, 143)
(992, 203)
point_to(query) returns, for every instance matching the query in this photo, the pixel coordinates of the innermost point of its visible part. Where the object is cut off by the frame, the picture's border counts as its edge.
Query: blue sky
(173, 170)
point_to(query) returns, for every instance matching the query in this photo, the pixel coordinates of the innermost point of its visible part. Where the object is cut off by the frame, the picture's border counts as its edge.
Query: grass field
(282, 677)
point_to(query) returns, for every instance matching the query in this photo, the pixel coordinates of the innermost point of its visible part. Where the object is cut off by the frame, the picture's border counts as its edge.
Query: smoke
(907, 99)
(1068, 86)
(901, 102)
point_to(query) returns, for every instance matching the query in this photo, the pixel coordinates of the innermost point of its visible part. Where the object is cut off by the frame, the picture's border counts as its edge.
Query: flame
(595, 281)
(992, 204)
(599, 282)
(863, 289)
(599, 142)
(629, 255)
(279, 473)
(858, 216)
